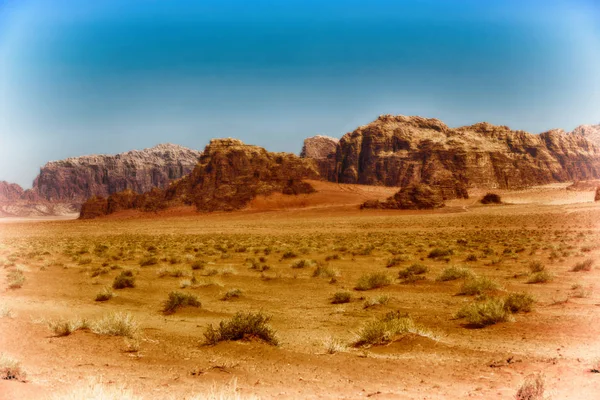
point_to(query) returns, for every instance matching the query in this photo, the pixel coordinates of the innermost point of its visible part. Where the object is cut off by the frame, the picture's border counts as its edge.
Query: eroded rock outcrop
(77, 179)
(321, 149)
(228, 176)
(590, 132)
(399, 150)
(10, 191)
(415, 196)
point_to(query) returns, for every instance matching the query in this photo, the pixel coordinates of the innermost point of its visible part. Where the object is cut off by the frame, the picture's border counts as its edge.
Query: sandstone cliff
(10, 191)
(77, 179)
(415, 196)
(590, 132)
(321, 149)
(399, 150)
(229, 174)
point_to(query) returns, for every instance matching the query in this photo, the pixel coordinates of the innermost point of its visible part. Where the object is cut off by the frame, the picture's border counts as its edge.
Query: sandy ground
(560, 338)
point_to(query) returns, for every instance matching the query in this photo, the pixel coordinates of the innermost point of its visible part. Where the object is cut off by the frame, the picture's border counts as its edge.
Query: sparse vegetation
(454, 273)
(414, 269)
(15, 279)
(484, 313)
(179, 300)
(373, 281)
(105, 294)
(242, 326)
(125, 279)
(384, 329)
(540, 277)
(303, 263)
(116, 324)
(232, 294)
(341, 297)
(519, 302)
(10, 369)
(477, 285)
(583, 266)
(439, 253)
(532, 388)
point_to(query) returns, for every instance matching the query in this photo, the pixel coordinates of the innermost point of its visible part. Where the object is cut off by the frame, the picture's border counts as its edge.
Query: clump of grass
(536, 266)
(84, 261)
(384, 329)
(147, 261)
(455, 272)
(288, 254)
(232, 294)
(10, 369)
(5, 311)
(62, 327)
(332, 257)
(540, 277)
(99, 271)
(15, 279)
(333, 346)
(196, 265)
(303, 263)
(471, 258)
(488, 312)
(583, 266)
(242, 326)
(325, 272)
(532, 388)
(105, 294)
(377, 301)
(179, 300)
(392, 262)
(415, 269)
(518, 302)
(124, 280)
(116, 324)
(373, 281)
(439, 252)
(341, 298)
(474, 286)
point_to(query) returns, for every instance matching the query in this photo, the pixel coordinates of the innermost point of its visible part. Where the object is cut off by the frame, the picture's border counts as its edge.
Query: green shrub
(488, 312)
(454, 273)
(147, 261)
(478, 285)
(438, 253)
(124, 280)
(583, 266)
(341, 297)
(373, 281)
(518, 302)
(242, 326)
(179, 300)
(105, 294)
(303, 263)
(540, 277)
(384, 329)
(232, 294)
(415, 269)
(536, 266)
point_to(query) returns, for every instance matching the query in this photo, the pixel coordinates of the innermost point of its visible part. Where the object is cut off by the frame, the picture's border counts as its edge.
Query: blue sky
(82, 77)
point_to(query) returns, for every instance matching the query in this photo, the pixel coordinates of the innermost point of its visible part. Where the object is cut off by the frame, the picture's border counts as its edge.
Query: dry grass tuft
(240, 327)
(532, 388)
(10, 369)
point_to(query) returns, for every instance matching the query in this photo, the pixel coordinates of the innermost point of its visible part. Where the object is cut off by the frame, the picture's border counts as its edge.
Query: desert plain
(357, 303)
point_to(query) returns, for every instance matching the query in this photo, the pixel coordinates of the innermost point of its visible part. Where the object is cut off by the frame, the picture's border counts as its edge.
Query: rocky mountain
(228, 175)
(590, 132)
(399, 150)
(77, 179)
(321, 149)
(10, 191)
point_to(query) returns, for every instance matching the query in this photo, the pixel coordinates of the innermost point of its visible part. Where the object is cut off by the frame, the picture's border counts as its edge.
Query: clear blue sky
(106, 76)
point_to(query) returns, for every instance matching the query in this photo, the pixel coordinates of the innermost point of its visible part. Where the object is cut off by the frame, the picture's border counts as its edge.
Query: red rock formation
(322, 150)
(398, 150)
(10, 191)
(229, 174)
(76, 179)
(415, 196)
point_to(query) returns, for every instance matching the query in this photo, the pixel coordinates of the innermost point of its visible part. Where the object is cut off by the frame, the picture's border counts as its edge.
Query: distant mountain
(399, 150)
(590, 132)
(77, 179)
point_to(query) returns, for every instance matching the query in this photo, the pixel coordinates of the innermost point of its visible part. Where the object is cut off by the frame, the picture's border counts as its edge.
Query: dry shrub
(10, 369)
(583, 266)
(373, 281)
(242, 326)
(532, 388)
(179, 300)
(455, 272)
(384, 329)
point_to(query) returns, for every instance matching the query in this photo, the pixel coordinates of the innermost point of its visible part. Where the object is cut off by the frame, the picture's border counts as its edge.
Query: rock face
(415, 196)
(77, 179)
(229, 174)
(399, 150)
(590, 132)
(10, 192)
(321, 149)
